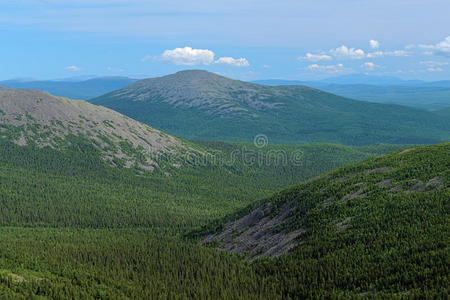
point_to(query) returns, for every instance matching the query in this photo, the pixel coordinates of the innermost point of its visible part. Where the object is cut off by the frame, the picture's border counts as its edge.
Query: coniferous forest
(75, 227)
(224, 150)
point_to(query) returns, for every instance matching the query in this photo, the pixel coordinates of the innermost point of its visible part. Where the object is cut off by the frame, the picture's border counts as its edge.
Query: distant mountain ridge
(200, 105)
(83, 89)
(414, 93)
(354, 79)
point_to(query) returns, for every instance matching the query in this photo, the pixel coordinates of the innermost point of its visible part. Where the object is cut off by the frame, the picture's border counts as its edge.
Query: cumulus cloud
(326, 69)
(237, 62)
(344, 52)
(374, 44)
(73, 68)
(188, 56)
(369, 66)
(441, 48)
(316, 57)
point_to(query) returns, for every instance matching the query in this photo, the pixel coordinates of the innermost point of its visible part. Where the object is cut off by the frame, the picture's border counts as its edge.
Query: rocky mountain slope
(205, 106)
(37, 118)
(213, 94)
(404, 194)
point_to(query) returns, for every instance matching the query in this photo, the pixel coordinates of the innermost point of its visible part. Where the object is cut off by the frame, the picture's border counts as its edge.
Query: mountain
(444, 112)
(423, 95)
(71, 88)
(357, 80)
(442, 83)
(204, 106)
(37, 118)
(77, 204)
(41, 135)
(379, 226)
(369, 79)
(275, 82)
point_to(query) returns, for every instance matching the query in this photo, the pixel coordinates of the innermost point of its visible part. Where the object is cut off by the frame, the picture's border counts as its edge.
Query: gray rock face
(255, 236)
(46, 120)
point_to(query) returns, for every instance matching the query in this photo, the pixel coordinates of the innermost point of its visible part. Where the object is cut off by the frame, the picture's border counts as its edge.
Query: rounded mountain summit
(200, 105)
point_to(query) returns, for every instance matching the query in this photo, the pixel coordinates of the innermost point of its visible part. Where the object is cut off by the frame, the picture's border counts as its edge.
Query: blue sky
(244, 39)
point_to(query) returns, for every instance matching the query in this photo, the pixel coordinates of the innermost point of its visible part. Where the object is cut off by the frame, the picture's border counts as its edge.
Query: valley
(95, 204)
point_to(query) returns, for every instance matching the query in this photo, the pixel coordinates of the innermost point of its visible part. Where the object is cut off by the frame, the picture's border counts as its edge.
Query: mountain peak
(211, 93)
(197, 76)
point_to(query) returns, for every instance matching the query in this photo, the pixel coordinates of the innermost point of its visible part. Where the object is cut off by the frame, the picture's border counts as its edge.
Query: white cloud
(73, 68)
(374, 44)
(316, 57)
(434, 66)
(369, 66)
(441, 48)
(188, 56)
(375, 54)
(326, 69)
(344, 52)
(434, 63)
(435, 69)
(237, 62)
(396, 53)
(266, 67)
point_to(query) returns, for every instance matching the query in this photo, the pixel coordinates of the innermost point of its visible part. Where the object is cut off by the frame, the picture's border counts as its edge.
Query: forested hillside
(74, 224)
(380, 226)
(200, 105)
